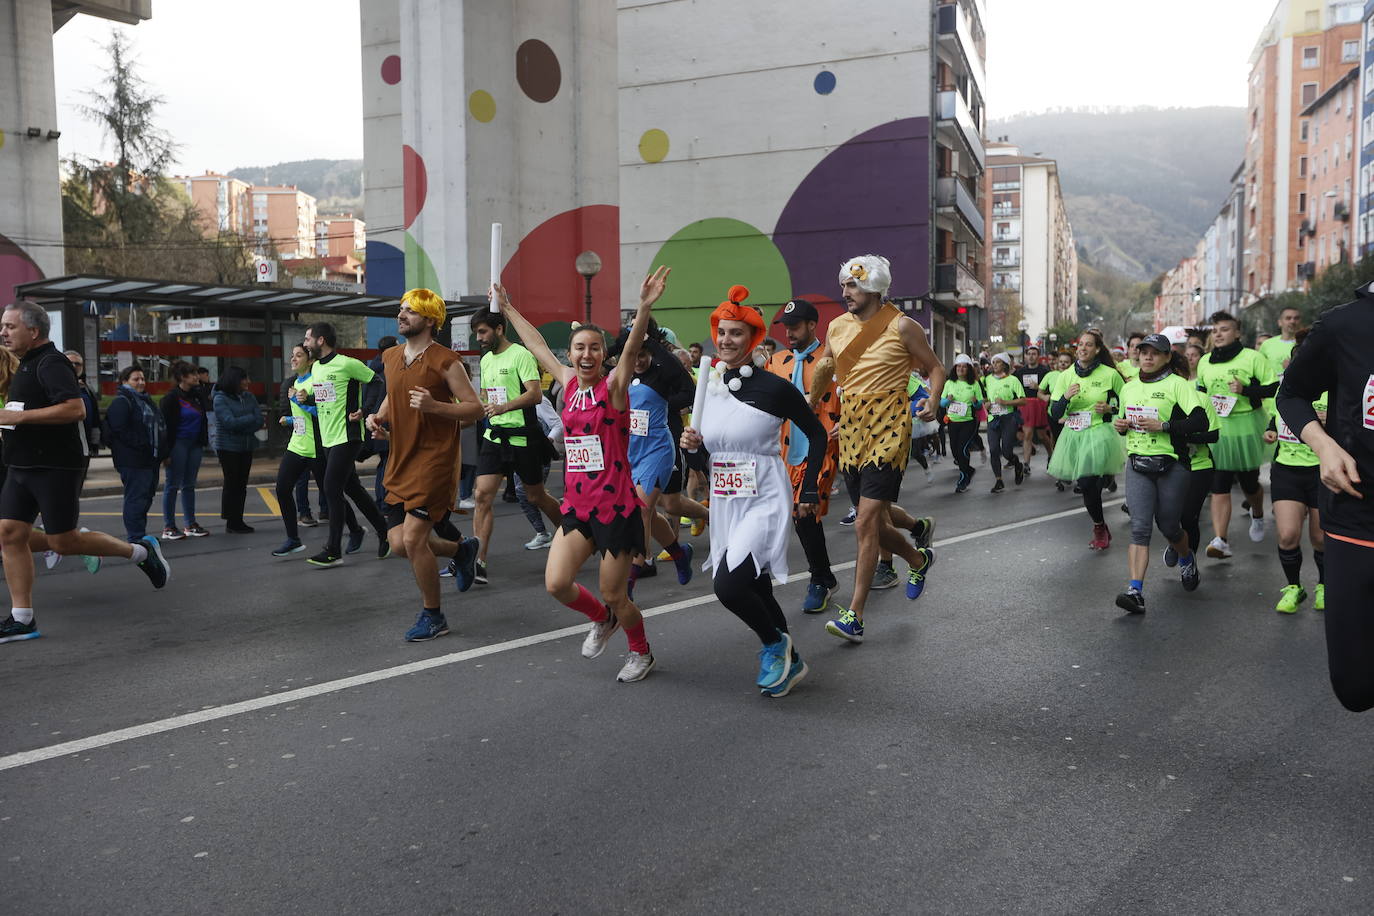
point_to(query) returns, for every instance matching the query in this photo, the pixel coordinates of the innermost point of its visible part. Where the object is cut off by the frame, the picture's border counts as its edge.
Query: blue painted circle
(825, 82)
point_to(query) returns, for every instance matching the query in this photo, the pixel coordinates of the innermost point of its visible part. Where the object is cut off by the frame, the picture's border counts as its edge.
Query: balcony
(956, 283)
(1005, 212)
(954, 32)
(955, 121)
(952, 197)
(1006, 263)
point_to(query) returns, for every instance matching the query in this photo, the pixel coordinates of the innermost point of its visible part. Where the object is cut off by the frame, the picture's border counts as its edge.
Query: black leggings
(1199, 485)
(812, 537)
(961, 436)
(750, 598)
(1350, 622)
(288, 472)
(236, 467)
(1002, 437)
(1092, 497)
(340, 480)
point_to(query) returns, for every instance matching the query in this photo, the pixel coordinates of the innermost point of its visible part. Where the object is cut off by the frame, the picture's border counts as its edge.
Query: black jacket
(133, 441)
(171, 415)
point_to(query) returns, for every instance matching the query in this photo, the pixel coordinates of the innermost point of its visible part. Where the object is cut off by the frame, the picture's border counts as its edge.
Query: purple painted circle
(391, 70)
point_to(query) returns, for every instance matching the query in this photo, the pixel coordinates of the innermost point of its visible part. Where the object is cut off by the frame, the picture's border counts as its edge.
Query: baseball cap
(1157, 342)
(796, 311)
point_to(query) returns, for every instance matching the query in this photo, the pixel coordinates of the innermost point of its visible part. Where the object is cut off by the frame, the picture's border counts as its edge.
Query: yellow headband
(427, 303)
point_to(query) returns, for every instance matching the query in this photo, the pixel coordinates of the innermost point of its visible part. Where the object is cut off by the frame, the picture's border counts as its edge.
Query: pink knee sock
(587, 603)
(638, 641)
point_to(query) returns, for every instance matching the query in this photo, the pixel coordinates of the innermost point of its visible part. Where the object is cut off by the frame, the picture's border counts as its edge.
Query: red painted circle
(416, 183)
(391, 70)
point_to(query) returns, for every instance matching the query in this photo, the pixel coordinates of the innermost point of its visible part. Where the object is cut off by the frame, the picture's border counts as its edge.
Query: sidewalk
(103, 480)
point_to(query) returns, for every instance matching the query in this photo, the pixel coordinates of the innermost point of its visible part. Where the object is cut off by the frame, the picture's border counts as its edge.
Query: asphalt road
(258, 738)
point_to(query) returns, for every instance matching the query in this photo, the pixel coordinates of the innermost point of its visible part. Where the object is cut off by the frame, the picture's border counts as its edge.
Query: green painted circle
(419, 268)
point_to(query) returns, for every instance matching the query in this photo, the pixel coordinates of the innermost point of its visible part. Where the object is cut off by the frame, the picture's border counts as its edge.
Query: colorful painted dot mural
(542, 280)
(391, 69)
(653, 145)
(824, 82)
(537, 70)
(482, 105)
(416, 183)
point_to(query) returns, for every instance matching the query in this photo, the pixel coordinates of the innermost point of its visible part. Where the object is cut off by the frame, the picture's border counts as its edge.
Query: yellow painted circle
(2, 139)
(653, 146)
(482, 105)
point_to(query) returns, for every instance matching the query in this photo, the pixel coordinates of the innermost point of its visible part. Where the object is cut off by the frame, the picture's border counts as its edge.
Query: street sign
(216, 323)
(326, 286)
(266, 270)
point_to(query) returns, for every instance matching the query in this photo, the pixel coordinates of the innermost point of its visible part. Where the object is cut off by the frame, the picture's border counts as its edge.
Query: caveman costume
(825, 403)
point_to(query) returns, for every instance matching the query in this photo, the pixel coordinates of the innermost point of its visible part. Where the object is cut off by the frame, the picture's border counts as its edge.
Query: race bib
(1137, 412)
(1286, 434)
(1368, 404)
(298, 426)
(19, 405)
(734, 478)
(583, 454)
(957, 409)
(324, 392)
(639, 422)
(496, 395)
(1030, 381)
(1079, 420)
(1223, 404)
(998, 410)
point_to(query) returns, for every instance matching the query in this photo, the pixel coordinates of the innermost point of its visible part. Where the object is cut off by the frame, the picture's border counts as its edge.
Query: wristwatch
(1164, 427)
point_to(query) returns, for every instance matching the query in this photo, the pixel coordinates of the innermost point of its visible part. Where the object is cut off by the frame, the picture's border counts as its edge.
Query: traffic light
(962, 310)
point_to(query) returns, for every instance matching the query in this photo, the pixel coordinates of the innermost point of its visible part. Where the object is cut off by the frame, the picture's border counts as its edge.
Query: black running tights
(1350, 622)
(1199, 485)
(290, 470)
(340, 480)
(750, 598)
(1092, 497)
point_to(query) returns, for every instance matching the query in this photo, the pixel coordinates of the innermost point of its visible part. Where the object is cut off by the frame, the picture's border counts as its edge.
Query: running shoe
(447, 571)
(288, 547)
(540, 540)
(884, 576)
(684, 522)
(1102, 537)
(1059, 485)
(463, 566)
(236, 528)
(51, 558)
(383, 547)
(930, 477)
(998, 487)
(637, 667)
(427, 626)
(1125, 509)
(797, 672)
(817, 599)
(355, 541)
(1218, 549)
(775, 659)
(1131, 601)
(1190, 577)
(849, 516)
(195, 531)
(12, 630)
(1170, 556)
(982, 457)
(923, 532)
(598, 634)
(479, 573)
(468, 503)
(916, 578)
(307, 521)
(324, 515)
(647, 570)
(154, 565)
(92, 564)
(698, 526)
(1021, 473)
(172, 534)
(1025, 470)
(324, 560)
(1257, 529)
(1290, 598)
(846, 626)
(663, 556)
(1319, 597)
(684, 564)
(1111, 484)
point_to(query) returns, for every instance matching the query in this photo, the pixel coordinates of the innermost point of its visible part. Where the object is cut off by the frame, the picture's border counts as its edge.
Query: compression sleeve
(1311, 373)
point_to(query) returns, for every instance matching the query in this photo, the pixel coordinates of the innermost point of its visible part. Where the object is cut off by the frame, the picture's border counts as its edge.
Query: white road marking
(215, 713)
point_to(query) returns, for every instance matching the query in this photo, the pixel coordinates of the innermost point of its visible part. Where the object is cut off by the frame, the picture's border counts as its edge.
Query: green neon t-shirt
(1215, 378)
(503, 378)
(1008, 388)
(1047, 382)
(1094, 388)
(1201, 452)
(962, 398)
(1292, 451)
(1156, 400)
(302, 423)
(336, 382)
(1278, 351)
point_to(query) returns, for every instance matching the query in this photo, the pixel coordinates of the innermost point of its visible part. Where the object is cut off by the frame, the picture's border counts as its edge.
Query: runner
(1035, 418)
(741, 423)
(336, 384)
(1279, 350)
(962, 398)
(1238, 380)
(1200, 464)
(428, 395)
(1088, 451)
(600, 507)
(513, 444)
(1337, 359)
(1130, 366)
(1004, 395)
(802, 366)
(1159, 408)
(1061, 363)
(1294, 488)
(875, 348)
(46, 456)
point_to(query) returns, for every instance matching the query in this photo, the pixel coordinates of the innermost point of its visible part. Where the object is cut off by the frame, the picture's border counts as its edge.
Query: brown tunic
(422, 471)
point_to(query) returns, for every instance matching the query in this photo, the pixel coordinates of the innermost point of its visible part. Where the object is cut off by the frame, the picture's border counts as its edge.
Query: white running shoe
(468, 503)
(1257, 527)
(1219, 549)
(637, 667)
(51, 558)
(539, 541)
(929, 476)
(598, 635)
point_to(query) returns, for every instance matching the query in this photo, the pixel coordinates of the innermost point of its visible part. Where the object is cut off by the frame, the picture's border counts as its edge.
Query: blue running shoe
(154, 565)
(1170, 556)
(797, 672)
(92, 564)
(288, 547)
(916, 579)
(817, 599)
(846, 626)
(463, 566)
(355, 541)
(427, 626)
(12, 630)
(774, 661)
(684, 565)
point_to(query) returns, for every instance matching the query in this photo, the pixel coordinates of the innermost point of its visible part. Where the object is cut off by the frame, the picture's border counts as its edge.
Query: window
(1302, 202)
(1302, 168)
(1302, 130)
(1309, 93)
(1350, 51)
(1312, 21)
(1311, 57)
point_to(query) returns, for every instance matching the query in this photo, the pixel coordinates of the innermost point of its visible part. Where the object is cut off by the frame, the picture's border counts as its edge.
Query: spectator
(184, 413)
(136, 434)
(238, 415)
(373, 394)
(92, 422)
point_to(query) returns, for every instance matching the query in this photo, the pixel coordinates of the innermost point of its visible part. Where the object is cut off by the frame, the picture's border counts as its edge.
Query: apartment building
(1305, 48)
(284, 218)
(339, 236)
(1032, 265)
(223, 202)
(1364, 197)
(1180, 302)
(1223, 261)
(1326, 197)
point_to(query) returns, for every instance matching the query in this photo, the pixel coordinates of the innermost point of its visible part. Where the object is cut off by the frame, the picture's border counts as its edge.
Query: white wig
(1004, 356)
(963, 359)
(872, 272)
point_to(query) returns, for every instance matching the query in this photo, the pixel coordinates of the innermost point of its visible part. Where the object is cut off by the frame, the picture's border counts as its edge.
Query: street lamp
(1023, 326)
(588, 265)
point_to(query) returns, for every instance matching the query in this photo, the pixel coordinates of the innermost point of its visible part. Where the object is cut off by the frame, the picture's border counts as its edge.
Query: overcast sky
(263, 81)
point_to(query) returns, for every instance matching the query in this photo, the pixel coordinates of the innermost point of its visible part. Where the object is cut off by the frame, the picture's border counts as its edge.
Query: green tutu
(1090, 452)
(1240, 442)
